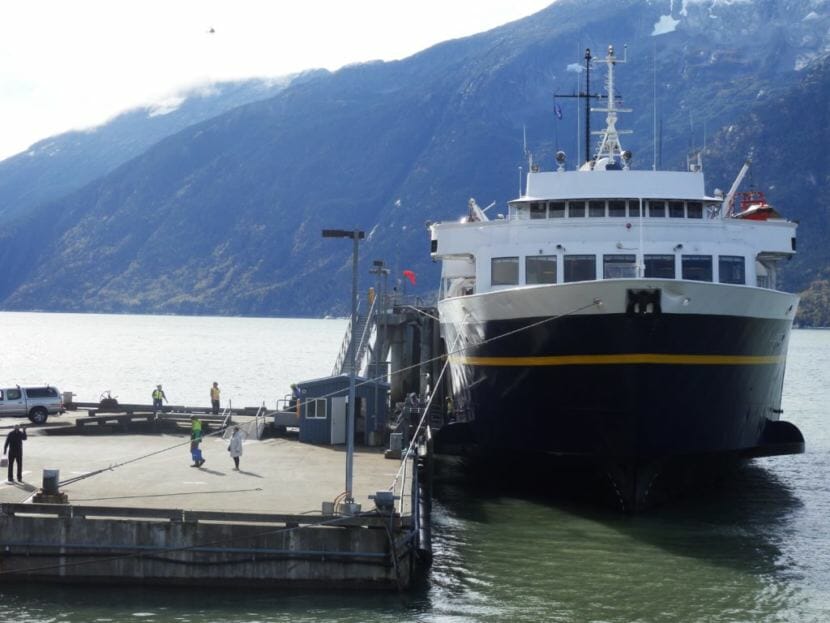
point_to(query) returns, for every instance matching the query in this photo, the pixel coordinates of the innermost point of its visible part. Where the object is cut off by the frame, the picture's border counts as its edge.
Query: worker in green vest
(158, 397)
(195, 440)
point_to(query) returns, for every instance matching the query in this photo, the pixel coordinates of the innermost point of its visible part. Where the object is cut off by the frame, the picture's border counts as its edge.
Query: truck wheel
(38, 415)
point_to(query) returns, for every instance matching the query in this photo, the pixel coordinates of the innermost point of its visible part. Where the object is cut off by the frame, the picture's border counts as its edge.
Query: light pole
(356, 236)
(380, 315)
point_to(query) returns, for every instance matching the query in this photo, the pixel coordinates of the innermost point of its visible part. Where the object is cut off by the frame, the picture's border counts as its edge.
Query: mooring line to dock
(447, 355)
(70, 481)
(453, 351)
(402, 469)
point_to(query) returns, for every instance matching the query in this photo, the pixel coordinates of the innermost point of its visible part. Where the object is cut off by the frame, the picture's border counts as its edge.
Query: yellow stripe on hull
(632, 358)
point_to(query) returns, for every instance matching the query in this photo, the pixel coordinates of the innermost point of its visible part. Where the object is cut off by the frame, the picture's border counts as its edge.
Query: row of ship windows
(539, 269)
(653, 208)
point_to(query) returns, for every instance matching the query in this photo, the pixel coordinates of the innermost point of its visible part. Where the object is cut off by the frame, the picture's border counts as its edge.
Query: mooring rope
(110, 468)
(455, 351)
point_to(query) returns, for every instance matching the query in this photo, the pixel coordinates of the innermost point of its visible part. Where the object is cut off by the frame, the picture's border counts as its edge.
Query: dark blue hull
(619, 386)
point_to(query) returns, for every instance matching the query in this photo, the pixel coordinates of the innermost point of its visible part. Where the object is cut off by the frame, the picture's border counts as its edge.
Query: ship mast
(610, 146)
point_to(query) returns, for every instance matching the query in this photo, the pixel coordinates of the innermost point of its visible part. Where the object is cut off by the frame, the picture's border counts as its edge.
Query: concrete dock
(277, 476)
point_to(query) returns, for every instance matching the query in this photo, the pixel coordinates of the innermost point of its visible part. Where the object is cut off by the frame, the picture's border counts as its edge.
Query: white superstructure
(607, 221)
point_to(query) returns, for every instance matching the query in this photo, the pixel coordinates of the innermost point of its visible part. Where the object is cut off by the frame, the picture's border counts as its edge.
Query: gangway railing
(344, 346)
(364, 324)
(253, 429)
(226, 415)
(363, 344)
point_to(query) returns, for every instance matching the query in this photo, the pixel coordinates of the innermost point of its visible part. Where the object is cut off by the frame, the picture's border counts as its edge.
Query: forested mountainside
(224, 216)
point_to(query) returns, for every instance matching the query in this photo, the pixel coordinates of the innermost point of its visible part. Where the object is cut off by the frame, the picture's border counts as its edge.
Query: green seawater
(753, 548)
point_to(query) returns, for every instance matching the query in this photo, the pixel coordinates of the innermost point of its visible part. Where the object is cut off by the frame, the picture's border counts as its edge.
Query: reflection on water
(720, 557)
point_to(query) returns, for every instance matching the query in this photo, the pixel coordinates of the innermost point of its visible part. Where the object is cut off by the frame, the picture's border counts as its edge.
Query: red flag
(409, 275)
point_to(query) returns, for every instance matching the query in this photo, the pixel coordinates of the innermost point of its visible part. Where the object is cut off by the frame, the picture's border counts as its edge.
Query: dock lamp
(356, 236)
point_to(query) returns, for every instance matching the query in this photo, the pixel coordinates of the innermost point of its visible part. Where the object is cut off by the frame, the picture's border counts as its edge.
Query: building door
(338, 420)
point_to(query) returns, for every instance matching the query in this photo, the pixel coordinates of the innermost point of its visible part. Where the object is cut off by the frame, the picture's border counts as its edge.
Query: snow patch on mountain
(664, 25)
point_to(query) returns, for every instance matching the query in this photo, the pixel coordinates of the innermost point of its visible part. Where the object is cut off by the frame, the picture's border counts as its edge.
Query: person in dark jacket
(14, 448)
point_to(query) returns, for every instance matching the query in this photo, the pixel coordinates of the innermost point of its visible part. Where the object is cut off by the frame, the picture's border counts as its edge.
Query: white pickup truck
(38, 403)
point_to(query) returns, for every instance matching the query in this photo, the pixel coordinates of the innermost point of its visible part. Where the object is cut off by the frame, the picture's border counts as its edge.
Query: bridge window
(576, 209)
(659, 266)
(538, 210)
(616, 207)
(732, 269)
(580, 268)
(697, 267)
(619, 266)
(556, 209)
(676, 209)
(694, 209)
(504, 271)
(657, 209)
(540, 269)
(596, 208)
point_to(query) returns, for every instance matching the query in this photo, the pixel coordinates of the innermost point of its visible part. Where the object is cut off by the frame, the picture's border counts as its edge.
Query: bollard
(51, 477)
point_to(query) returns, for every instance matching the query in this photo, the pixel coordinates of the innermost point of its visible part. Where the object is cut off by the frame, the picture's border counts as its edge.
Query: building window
(576, 209)
(315, 409)
(616, 207)
(538, 210)
(504, 271)
(694, 209)
(659, 266)
(676, 209)
(580, 268)
(732, 269)
(697, 267)
(540, 269)
(596, 208)
(619, 266)
(556, 209)
(657, 209)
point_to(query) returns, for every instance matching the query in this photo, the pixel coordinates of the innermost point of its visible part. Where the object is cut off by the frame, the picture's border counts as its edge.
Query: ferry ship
(621, 317)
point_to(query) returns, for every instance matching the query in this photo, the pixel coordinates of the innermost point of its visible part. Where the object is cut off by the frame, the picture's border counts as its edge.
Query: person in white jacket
(235, 446)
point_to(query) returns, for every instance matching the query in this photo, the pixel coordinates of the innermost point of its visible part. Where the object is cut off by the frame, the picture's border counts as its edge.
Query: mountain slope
(224, 217)
(56, 166)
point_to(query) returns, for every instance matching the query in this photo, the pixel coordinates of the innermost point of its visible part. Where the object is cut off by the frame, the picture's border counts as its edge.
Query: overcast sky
(68, 64)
